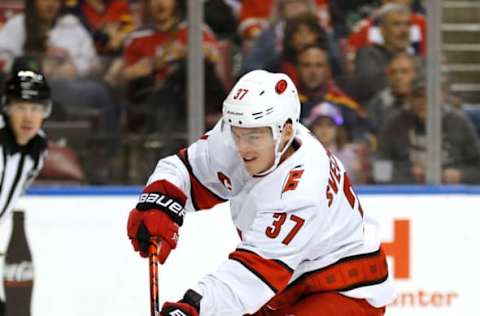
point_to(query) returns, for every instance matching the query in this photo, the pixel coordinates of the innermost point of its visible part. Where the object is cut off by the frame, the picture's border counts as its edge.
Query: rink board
(84, 264)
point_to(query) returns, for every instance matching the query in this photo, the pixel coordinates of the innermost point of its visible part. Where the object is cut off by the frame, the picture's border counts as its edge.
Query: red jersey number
(334, 183)
(280, 218)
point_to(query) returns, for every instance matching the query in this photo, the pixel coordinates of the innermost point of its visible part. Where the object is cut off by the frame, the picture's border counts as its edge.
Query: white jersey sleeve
(199, 171)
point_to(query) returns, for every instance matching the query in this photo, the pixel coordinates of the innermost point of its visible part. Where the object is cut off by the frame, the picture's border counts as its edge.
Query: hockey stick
(153, 251)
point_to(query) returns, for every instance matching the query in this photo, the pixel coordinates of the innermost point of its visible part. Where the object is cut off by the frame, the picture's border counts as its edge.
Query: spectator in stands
(275, 42)
(41, 30)
(108, 21)
(8, 9)
(154, 62)
(371, 61)
(326, 123)
(300, 32)
(316, 86)
(402, 143)
(367, 31)
(255, 16)
(269, 44)
(68, 58)
(219, 16)
(401, 72)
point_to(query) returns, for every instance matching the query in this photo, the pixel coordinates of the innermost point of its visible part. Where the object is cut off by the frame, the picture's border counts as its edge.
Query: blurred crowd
(117, 70)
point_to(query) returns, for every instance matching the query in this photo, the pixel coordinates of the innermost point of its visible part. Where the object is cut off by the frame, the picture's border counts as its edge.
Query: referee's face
(25, 118)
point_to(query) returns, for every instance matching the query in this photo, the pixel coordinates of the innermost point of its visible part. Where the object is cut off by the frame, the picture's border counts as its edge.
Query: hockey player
(23, 146)
(306, 247)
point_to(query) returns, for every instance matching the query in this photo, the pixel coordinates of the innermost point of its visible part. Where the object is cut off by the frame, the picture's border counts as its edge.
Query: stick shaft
(153, 251)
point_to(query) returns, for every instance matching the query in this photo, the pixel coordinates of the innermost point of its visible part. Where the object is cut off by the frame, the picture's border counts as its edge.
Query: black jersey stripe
(15, 183)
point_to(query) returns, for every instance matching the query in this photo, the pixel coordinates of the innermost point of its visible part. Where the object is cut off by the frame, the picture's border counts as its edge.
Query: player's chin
(251, 168)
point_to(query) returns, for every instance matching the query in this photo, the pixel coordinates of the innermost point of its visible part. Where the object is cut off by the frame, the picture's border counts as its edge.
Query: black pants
(2, 308)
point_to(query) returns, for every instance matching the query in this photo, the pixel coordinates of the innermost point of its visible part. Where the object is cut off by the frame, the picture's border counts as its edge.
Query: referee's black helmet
(28, 85)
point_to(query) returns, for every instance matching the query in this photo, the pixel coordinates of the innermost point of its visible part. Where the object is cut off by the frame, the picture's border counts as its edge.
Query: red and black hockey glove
(158, 215)
(188, 306)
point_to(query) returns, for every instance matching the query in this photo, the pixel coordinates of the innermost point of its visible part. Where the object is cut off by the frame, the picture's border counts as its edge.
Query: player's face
(47, 9)
(25, 119)
(313, 68)
(256, 146)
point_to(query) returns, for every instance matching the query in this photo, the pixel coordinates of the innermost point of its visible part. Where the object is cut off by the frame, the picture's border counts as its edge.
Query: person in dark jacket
(401, 71)
(371, 61)
(402, 143)
(316, 85)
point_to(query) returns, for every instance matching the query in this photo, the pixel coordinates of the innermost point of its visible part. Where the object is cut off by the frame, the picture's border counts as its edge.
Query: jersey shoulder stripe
(274, 273)
(202, 197)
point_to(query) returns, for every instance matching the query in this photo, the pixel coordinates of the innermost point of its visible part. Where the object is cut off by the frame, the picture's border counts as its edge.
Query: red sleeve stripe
(202, 197)
(274, 273)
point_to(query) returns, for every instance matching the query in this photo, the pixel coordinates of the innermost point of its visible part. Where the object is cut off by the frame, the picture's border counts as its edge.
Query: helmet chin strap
(278, 155)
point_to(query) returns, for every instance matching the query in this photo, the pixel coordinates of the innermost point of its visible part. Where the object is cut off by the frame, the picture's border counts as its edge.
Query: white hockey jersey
(302, 226)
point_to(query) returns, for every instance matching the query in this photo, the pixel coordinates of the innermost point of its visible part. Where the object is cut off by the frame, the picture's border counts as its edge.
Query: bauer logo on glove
(158, 200)
(147, 199)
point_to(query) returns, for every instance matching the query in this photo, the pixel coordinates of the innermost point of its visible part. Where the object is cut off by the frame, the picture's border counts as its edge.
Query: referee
(25, 104)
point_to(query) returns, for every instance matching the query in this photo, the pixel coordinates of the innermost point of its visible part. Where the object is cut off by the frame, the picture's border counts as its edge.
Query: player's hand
(188, 306)
(158, 215)
(174, 309)
(144, 226)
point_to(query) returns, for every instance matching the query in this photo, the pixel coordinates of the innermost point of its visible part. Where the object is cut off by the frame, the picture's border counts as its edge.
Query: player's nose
(242, 146)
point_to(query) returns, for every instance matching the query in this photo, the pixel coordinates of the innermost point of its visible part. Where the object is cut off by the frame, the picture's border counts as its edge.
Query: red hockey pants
(326, 304)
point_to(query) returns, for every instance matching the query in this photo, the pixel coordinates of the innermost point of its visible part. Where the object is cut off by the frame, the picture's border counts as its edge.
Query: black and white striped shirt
(19, 165)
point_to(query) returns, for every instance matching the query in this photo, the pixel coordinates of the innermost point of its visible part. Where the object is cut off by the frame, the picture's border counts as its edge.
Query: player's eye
(253, 137)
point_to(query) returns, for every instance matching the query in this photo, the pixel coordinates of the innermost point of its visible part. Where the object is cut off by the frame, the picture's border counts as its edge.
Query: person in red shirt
(154, 48)
(109, 22)
(154, 66)
(367, 32)
(255, 15)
